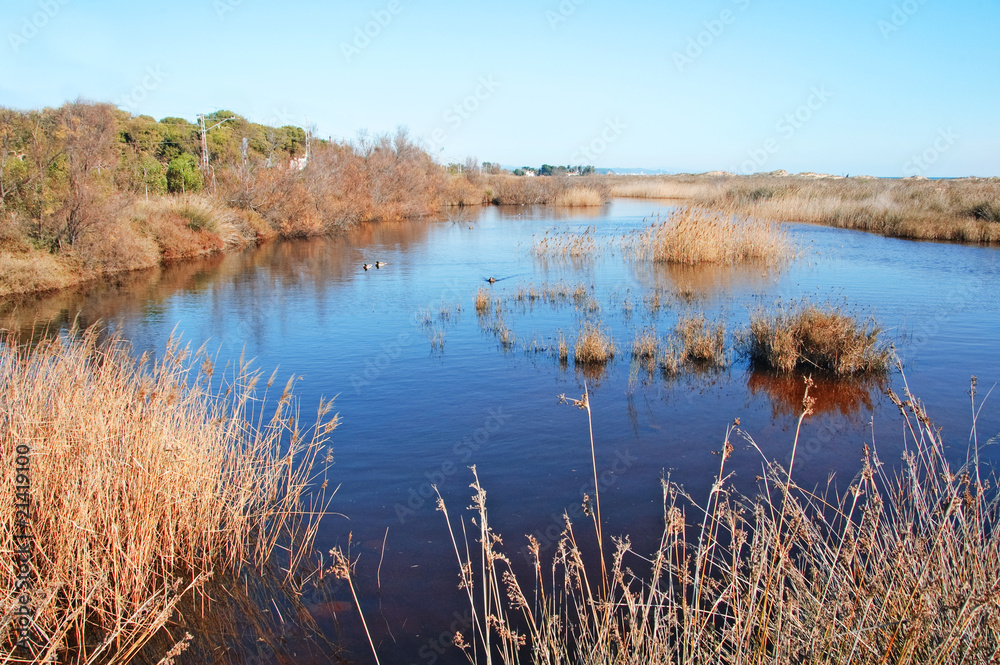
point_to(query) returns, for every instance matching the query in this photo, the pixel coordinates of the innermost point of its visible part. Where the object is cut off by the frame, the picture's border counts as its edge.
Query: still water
(425, 389)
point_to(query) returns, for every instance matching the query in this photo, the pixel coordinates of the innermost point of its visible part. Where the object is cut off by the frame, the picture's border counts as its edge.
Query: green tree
(183, 174)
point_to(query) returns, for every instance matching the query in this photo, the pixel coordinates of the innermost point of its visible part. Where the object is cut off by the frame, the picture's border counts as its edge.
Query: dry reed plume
(691, 236)
(810, 338)
(144, 483)
(901, 567)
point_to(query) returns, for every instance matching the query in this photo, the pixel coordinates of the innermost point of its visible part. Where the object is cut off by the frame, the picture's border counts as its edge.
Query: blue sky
(882, 87)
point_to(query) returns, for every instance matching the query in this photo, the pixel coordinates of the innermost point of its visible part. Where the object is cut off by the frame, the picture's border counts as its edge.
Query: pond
(426, 386)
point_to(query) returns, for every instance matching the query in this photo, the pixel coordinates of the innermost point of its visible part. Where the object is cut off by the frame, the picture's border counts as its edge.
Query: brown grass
(579, 197)
(568, 244)
(962, 209)
(692, 236)
(593, 346)
(522, 190)
(483, 301)
(646, 345)
(144, 483)
(808, 337)
(701, 342)
(901, 568)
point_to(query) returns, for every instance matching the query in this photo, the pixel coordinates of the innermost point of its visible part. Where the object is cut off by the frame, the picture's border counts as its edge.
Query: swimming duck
(379, 264)
(491, 279)
(366, 266)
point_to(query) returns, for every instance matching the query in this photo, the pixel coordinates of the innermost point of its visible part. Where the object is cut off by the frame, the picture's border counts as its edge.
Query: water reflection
(704, 280)
(832, 395)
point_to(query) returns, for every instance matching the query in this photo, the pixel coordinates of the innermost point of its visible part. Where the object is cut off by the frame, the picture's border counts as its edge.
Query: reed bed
(579, 197)
(520, 190)
(961, 209)
(145, 482)
(807, 337)
(900, 567)
(693, 236)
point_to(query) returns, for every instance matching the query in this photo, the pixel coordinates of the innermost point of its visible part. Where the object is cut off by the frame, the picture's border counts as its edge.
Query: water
(417, 410)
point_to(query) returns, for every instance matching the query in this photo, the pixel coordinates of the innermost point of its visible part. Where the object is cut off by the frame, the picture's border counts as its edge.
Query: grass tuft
(809, 338)
(593, 346)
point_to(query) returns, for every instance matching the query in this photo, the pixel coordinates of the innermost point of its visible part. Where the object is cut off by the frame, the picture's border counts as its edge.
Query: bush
(183, 174)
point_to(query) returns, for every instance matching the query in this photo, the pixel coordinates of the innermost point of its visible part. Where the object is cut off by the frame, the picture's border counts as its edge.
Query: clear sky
(881, 87)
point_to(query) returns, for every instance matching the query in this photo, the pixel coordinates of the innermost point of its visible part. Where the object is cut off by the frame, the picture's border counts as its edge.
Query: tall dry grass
(701, 342)
(808, 337)
(593, 346)
(900, 566)
(145, 482)
(579, 197)
(522, 190)
(691, 236)
(962, 209)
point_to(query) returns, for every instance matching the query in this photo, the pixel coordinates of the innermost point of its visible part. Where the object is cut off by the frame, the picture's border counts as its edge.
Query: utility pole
(204, 140)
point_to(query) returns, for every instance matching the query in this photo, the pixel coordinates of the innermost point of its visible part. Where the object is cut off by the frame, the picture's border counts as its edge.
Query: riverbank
(952, 210)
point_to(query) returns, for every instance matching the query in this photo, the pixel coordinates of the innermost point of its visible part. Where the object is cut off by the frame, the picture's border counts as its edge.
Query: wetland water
(425, 388)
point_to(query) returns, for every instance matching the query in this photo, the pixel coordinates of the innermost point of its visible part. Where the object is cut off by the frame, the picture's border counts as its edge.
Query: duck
(366, 266)
(491, 279)
(379, 264)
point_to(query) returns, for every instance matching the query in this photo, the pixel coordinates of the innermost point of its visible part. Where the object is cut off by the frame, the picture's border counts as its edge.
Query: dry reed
(144, 483)
(691, 236)
(902, 567)
(579, 197)
(808, 337)
(961, 209)
(701, 342)
(593, 346)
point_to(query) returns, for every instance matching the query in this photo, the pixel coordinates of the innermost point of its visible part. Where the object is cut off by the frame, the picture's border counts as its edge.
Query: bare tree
(90, 144)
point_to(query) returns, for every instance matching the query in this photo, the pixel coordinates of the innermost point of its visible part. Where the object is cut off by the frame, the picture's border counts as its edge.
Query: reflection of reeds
(142, 475)
(900, 568)
(832, 395)
(808, 337)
